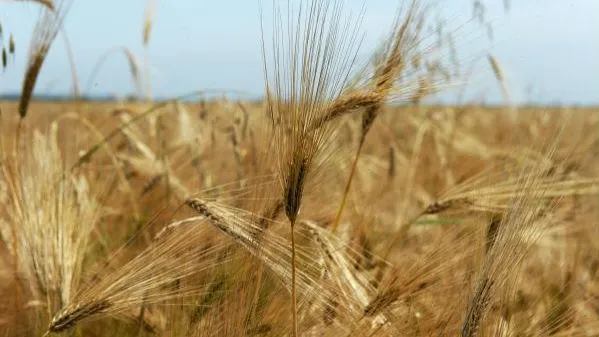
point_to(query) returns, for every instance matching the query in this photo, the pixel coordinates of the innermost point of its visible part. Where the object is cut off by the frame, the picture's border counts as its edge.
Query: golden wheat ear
(155, 275)
(390, 64)
(44, 35)
(508, 241)
(310, 71)
(331, 291)
(49, 249)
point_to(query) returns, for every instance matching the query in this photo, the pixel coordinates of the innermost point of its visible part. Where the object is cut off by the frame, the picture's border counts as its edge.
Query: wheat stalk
(309, 71)
(392, 63)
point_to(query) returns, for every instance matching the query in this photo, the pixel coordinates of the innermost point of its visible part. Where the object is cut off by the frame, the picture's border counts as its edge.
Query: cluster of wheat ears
(321, 211)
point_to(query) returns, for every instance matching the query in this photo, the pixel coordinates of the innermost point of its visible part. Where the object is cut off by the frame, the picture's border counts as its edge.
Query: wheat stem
(347, 187)
(293, 290)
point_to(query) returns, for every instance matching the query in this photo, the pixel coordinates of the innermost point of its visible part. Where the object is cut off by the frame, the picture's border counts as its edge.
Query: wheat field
(338, 205)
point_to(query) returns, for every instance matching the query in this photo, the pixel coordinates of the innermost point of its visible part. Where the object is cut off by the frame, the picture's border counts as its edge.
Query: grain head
(4, 58)
(45, 32)
(11, 45)
(148, 20)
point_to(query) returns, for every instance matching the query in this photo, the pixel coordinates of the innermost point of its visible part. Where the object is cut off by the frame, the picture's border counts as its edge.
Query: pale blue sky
(549, 46)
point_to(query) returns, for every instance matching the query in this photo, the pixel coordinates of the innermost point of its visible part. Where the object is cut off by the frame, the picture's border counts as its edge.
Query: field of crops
(340, 204)
(116, 221)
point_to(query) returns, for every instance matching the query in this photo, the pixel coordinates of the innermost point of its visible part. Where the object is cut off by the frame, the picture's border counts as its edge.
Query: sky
(548, 49)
